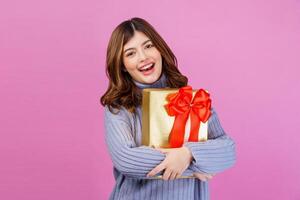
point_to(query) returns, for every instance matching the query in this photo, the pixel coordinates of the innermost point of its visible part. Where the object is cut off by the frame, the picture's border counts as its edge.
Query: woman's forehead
(138, 39)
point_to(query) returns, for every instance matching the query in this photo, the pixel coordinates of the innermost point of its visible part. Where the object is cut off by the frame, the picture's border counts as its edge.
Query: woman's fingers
(176, 161)
(200, 176)
(177, 175)
(167, 174)
(203, 177)
(209, 176)
(157, 169)
(173, 176)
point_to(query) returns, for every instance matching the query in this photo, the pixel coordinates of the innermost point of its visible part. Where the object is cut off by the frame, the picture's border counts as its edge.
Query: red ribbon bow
(182, 105)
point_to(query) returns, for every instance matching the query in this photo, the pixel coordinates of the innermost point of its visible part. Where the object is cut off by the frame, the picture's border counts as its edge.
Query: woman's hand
(203, 177)
(176, 162)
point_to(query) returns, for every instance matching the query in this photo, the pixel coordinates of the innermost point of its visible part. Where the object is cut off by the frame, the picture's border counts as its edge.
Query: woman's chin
(150, 80)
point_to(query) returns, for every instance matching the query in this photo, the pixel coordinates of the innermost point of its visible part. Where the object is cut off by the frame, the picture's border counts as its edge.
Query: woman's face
(141, 59)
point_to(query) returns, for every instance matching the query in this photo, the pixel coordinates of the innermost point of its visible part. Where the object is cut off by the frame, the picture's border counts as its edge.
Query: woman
(138, 58)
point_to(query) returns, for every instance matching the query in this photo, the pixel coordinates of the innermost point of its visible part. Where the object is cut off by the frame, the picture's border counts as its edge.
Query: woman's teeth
(147, 67)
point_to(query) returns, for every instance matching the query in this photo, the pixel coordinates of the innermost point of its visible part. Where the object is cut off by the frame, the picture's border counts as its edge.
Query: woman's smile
(147, 69)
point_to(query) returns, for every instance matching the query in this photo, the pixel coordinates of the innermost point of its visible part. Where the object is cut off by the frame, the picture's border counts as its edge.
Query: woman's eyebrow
(134, 48)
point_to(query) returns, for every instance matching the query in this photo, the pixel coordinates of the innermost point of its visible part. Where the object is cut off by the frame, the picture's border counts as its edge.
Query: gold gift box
(157, 124)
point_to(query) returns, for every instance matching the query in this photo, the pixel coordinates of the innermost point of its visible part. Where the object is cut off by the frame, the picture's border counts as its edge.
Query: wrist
(188, 153)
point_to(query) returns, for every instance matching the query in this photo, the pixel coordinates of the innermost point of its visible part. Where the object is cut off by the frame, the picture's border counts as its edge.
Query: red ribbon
(182, 105)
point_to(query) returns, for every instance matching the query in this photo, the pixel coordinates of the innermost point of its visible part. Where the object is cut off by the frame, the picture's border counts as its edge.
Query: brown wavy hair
(122, 91)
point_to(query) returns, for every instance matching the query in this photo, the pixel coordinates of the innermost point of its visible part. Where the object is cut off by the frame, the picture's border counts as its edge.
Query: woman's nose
(142, 55)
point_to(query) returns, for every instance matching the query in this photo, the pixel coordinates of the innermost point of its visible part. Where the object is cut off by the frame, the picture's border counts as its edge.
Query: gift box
(171, 117)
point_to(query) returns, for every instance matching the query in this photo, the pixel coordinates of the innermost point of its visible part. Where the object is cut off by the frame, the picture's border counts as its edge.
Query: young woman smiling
(138, 58)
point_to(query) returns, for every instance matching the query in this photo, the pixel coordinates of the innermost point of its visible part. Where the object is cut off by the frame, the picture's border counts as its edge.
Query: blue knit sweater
(132, 161)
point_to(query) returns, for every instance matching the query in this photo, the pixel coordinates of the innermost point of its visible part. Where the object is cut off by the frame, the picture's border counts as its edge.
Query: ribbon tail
(195, 126)
(176, 136)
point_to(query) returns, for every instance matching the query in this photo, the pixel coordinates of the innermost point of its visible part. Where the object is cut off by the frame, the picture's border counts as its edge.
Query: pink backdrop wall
(52, 59)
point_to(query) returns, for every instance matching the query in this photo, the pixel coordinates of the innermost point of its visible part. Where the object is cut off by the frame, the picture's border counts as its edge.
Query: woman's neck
(160, 83)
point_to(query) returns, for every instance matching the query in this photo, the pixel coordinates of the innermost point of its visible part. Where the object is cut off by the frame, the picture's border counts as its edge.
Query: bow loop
(179, 102)
(202, 104)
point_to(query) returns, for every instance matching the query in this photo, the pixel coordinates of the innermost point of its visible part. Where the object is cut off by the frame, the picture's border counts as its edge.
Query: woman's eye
(129, 54)
(149, 45)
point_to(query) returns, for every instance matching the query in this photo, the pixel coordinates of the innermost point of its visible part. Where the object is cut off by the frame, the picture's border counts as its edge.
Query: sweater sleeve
(217, 153)
(128, 158)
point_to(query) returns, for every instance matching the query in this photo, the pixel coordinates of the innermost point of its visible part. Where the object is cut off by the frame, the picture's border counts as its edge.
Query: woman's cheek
(129, 64)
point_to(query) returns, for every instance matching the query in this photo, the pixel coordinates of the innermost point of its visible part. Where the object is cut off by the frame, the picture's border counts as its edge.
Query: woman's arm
(217, 153)
(129, 159)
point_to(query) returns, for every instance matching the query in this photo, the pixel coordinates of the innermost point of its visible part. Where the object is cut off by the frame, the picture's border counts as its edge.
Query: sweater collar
(160, 83)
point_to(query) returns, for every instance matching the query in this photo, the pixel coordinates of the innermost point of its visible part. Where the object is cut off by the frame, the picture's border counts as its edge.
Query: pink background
(52, 59)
